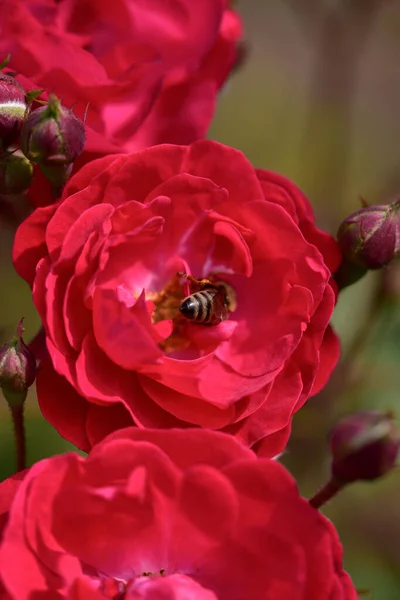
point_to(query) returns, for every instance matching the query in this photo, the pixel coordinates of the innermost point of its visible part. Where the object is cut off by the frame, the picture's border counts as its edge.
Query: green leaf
(32, 95)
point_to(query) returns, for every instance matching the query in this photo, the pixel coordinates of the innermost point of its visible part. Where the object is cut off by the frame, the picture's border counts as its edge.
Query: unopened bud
(370, 237)
(17, 368)
(364, 446)
(52, 135)
(12, 110)
(16, 173)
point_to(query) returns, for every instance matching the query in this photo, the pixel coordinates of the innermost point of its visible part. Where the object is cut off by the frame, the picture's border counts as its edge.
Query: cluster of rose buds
(50, 136)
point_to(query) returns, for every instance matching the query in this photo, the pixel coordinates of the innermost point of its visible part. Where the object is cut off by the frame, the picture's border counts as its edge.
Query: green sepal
(32, 95)
(5, 62)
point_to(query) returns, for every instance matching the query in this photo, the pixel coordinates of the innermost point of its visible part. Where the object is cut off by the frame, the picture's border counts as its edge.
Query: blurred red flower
(103, 265)
(168, 514)
(150, 70)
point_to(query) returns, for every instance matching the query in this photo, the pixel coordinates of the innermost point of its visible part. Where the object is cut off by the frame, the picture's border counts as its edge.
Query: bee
(210, 303)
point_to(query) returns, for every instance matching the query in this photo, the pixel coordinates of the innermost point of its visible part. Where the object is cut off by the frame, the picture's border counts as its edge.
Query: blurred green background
(318, 100)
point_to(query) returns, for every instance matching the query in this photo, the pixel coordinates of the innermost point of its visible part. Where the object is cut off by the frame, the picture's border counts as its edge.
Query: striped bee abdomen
(199, 306)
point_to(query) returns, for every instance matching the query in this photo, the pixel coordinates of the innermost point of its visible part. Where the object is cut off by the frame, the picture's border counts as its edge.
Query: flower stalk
(326, 493)
(17, 414)
(17, 374)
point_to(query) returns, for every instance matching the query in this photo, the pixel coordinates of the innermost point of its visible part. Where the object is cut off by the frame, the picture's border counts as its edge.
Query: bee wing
(220, 309)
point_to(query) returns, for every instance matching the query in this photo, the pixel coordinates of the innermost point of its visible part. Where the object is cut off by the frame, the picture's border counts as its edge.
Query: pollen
(167, 301)
(166, 307)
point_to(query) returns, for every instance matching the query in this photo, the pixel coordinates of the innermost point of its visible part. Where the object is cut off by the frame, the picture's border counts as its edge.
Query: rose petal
(226, 167)
(70, 405)
(30, 242)
(124, 334)
(188, 409)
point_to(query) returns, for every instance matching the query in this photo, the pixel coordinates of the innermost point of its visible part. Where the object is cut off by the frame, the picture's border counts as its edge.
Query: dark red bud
(17, 368)
(52, 135)
(16, 173)
(364, 446)
(12, 110)
(370, 237)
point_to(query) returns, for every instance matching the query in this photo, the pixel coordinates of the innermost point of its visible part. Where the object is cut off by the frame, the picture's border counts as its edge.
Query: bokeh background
(317, 98)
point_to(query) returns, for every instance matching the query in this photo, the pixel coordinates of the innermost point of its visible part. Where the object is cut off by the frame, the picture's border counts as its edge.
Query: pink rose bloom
(171, 515)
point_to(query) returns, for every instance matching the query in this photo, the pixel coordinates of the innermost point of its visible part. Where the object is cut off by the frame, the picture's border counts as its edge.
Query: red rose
(168, 514)
(8, 489)
(150, 70)
(103, 264)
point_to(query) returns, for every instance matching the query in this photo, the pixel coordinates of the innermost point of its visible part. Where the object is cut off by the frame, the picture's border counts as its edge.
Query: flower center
(188, 301)
(167, 302)
(116, 589)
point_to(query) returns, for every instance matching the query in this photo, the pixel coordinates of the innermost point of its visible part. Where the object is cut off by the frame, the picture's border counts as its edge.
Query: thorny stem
(17, 413)
(326, 493)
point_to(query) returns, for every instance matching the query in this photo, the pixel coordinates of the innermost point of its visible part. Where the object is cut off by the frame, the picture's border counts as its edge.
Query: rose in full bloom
(172, 514)
(103, 264)
(8, 490)
(149, 70)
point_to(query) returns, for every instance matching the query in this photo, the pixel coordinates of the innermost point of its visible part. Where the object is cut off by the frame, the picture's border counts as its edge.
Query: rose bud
(369, 237)
(52, 135)
(16, 173)
(17, 368)
(12, 110)
(364, 446)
